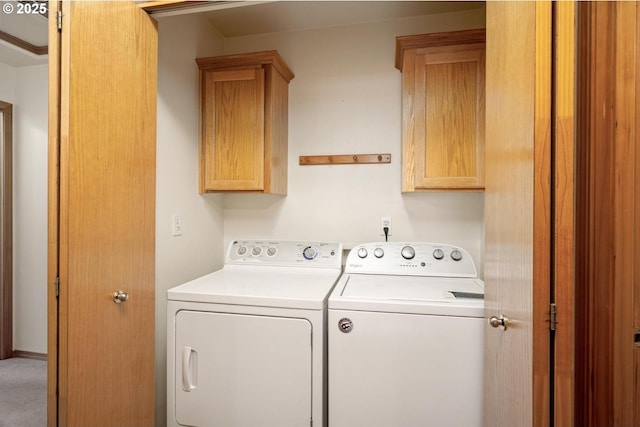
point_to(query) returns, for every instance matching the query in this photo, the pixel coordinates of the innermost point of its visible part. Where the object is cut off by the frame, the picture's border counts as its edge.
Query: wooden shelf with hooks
(345, 159)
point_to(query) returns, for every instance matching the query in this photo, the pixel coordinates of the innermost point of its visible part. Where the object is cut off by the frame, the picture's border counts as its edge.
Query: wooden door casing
(626, 307)
(53, 215)
(563, 280)
(6, 230)
(102, 215)
(607, 379)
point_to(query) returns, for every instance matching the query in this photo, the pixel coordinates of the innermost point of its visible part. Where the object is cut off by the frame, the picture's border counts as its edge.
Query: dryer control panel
(285, 253)
(412, 259)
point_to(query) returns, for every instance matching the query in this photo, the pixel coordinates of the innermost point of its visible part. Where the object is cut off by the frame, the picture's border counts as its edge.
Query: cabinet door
(232, 142)
(103, 67)
(444, 105)
(242, 370)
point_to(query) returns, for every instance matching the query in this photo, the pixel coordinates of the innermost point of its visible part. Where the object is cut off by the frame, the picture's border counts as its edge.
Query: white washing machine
(246, 345)
(405, 330)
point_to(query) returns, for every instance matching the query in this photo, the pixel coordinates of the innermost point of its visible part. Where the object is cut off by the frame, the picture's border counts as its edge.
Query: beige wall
(345, 99)
(200, 248)
(30, 185)
(26, 88)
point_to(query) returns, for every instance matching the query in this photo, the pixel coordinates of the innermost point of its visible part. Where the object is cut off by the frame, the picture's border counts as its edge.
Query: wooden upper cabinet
(443, 81)
(244, 123)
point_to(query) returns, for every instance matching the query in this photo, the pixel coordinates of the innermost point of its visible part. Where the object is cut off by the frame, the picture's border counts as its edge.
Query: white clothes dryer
(405, 330)
(246, 345)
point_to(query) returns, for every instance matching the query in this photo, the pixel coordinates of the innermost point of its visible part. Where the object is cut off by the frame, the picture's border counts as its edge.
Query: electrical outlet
(177, 225)
(385, 221)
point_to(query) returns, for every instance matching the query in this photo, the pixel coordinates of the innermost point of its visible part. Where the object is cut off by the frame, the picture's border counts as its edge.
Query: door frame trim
(607, 125)
(53, 226)
(563, 159)
(6, 232)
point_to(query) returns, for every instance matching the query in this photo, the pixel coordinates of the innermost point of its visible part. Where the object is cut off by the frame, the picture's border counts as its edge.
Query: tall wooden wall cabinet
(442, 110)
(244, 123)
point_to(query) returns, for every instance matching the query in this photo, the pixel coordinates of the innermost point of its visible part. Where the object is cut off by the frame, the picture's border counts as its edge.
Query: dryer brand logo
(345, 324)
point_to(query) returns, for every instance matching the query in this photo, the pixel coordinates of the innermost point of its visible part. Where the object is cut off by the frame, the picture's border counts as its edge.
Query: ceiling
(281, 16)
(241, 18)
(31, 28)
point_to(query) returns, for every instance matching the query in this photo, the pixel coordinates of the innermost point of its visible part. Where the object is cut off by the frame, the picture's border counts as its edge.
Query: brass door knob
(120, 297)
(501, 322)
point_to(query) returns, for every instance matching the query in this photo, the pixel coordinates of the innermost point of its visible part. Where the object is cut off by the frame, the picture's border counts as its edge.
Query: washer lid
(409, 294)
(286, 287)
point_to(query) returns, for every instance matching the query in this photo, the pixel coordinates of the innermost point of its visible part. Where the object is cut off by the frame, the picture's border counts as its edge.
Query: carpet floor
(23, 393)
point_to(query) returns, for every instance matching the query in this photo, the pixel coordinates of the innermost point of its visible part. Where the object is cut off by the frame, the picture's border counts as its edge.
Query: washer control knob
(378, 252)
(362, 253)
(257, 250)
(438, 254)
(456, 255)
(271, 250)
(241, 250)
(408, 252)
(310, 252)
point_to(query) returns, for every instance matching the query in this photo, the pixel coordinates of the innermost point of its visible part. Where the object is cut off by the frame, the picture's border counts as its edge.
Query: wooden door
(530, 214)
(102, 214)
(517, 212)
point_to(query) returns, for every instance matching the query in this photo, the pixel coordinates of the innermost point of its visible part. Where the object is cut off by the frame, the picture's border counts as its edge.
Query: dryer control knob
(456, 255)
(362, 253)
(257, 250)
(310, 252)
(378, 252)
(271, 250)
(241, 250)
(438, 254)
(408, 252)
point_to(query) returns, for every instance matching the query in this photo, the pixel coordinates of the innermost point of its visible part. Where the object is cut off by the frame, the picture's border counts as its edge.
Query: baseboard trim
(29, 355)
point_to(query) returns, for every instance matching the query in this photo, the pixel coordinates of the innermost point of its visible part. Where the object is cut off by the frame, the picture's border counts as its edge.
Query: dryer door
(242, 370)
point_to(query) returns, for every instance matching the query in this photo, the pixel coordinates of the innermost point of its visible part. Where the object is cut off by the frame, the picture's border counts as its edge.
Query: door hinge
(310, 422)
(57, 285)
(553, 316)
(59, 19)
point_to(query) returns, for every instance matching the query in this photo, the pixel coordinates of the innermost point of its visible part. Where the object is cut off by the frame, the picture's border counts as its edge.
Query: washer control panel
(285, 253)
(411, 258)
